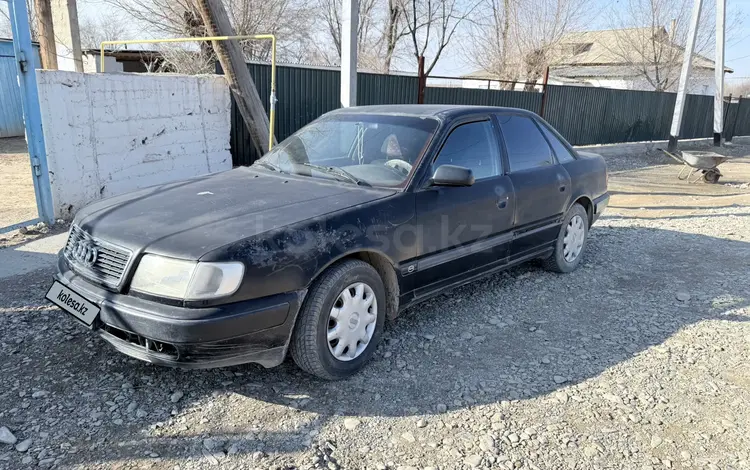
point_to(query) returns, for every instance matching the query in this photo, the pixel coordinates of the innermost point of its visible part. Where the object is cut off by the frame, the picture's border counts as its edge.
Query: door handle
(503, 203)
(562, 189)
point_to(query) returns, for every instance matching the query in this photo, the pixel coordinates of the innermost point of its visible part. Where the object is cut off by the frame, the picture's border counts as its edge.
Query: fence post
(544, 93)
(736, 118)
(421, 80)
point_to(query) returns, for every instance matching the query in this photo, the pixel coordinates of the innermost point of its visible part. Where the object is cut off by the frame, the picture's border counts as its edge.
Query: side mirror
(452, 175)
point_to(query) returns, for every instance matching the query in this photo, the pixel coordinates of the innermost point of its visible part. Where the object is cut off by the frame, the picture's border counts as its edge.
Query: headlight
(188, 280)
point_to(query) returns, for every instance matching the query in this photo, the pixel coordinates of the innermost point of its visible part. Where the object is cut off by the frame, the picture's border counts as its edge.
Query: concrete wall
(107, 134)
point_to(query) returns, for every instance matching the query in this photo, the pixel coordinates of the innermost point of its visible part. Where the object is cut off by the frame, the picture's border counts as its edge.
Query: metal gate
(24, 61)
(11, 111)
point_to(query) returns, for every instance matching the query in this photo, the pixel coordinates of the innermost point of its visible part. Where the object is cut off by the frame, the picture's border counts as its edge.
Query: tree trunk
(47, 48)
(391, 34)
(236, 72)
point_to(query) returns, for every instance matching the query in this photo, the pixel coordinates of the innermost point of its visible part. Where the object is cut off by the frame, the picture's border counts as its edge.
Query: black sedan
(349, 221)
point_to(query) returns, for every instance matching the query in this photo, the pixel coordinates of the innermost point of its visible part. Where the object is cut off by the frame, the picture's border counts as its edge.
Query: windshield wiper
(340, 172)
(269, 166)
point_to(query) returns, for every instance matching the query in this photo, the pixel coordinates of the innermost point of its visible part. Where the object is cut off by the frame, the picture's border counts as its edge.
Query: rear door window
(524, 142)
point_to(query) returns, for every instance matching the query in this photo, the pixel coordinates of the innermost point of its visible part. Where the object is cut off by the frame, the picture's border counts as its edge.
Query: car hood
(189, 219)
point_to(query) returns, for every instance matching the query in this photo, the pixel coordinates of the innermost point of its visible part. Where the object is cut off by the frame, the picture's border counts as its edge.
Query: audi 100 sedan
(357, 216)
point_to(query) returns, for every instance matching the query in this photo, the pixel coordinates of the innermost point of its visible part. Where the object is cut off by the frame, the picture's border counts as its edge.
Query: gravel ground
(639, 359)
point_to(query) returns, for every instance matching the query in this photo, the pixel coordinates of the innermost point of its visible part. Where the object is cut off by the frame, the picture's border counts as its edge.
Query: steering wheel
(401, 166)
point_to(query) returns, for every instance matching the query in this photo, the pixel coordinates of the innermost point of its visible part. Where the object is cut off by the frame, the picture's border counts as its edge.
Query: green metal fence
(583, 115)
(474, 96)
(738, 119)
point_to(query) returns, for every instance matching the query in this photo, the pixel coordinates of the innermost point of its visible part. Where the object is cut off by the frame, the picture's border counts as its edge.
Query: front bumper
(600, 204)
(256, 330)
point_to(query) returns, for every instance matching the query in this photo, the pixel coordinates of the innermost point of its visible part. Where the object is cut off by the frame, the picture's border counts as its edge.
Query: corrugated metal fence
(513, 99)
(11, 112)
(583, 115)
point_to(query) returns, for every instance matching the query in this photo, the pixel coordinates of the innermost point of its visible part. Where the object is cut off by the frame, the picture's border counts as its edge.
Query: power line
(743, 57)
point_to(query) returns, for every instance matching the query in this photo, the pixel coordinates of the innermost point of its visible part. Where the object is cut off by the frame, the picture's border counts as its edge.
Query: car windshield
(366, 149)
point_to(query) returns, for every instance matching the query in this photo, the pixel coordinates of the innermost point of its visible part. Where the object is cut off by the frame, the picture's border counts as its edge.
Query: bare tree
(651, 36)
(492, 37)
(161, 17)
(109, 27)
(395, 30)
(520, 39)
(541, 26)
(6, 30)
(288, 19)
(431, 24)
(737, 88)
(179, 59)
(380, 30)
(330, 13)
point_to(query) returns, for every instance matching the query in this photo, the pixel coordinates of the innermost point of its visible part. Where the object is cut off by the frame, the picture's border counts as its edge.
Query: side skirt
(471, 278)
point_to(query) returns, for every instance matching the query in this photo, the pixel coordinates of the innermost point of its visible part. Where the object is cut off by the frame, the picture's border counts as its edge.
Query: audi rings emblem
(85, 252)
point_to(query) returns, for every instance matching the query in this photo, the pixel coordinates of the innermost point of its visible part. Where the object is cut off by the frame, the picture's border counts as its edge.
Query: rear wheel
(571, 241)
(341, 321)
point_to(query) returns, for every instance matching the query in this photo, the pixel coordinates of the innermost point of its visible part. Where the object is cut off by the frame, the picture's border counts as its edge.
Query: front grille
(111, 260)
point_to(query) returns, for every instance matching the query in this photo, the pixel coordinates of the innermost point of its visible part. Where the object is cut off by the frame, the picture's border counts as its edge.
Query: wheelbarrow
(704, 164)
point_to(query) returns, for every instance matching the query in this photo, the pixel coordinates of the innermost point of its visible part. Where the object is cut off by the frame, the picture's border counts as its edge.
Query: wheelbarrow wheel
(711, 176)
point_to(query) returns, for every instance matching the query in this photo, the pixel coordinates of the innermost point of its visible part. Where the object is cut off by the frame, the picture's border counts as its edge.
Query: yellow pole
(272, 37)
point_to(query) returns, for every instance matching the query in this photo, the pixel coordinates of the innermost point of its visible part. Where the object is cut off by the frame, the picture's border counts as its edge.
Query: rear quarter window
(561, 151)
(526, 146)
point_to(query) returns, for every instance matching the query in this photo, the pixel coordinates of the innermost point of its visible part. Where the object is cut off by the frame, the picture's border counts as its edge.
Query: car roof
(441, 111)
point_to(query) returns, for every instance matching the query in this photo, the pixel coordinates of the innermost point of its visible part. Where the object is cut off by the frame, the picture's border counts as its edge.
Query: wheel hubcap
(575, 235)
(352, 321)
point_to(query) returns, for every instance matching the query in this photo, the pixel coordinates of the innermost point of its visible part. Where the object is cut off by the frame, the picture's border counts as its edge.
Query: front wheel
(711, 176)
(341, 321)
(571, 241)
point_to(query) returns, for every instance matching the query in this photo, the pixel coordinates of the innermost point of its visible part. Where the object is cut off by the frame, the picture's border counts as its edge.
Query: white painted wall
(701, 83)
(92, 63)
(107, 134)
(476, 84)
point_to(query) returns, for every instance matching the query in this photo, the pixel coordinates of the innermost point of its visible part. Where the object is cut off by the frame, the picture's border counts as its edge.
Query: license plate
(72, 303)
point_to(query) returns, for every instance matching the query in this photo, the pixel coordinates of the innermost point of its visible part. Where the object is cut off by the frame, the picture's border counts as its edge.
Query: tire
(558, 261)
(310, 347)
(711, 176)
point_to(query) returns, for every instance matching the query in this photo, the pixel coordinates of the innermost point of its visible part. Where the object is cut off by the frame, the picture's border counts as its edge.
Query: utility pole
(238, 76)
(349, 24)
(46, 34)
(687, 63)
(67, 35)
(721, 16)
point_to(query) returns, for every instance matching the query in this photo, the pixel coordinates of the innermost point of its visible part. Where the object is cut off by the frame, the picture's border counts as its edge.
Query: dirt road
(17, 202)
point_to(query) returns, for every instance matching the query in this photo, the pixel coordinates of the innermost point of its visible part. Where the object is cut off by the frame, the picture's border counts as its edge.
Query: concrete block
(107, 134)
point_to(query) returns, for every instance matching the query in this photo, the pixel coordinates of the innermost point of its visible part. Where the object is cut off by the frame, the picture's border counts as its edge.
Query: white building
(610, 59)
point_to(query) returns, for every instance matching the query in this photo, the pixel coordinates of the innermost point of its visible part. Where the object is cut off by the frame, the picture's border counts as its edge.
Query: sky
(738, 51)
(456, 61)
